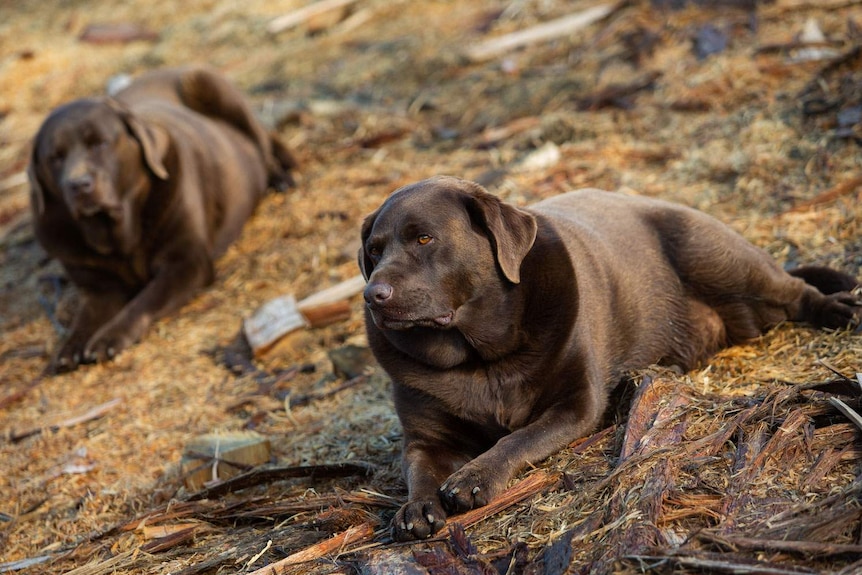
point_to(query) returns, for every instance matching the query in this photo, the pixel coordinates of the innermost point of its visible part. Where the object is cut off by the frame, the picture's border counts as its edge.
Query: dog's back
(686, 283)
(206, 92)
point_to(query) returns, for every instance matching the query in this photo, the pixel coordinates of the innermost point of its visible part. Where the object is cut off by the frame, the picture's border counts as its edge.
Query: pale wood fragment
(297, 17)
(539, 33)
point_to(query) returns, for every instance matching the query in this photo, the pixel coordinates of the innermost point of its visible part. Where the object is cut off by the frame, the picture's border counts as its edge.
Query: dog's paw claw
(468, 489)
(418, 520)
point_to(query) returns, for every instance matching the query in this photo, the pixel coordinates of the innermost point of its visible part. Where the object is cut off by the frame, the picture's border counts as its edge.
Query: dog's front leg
(486, 476)
(94, 311)
(425, 465)
(173, 284)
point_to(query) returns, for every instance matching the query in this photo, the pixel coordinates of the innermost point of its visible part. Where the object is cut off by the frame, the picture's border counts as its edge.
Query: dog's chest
(497, 399)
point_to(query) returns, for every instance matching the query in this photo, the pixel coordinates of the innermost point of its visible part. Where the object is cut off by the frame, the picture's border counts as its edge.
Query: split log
(282, 315)
(220, 456)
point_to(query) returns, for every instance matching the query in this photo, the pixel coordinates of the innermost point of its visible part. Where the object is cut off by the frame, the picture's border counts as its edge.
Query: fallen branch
(94, 413)
(269, 474)
(579, 446)
(545, 31)
(618, 95)
(356, 534)
(305, 399)
(170, 540)
(716, 565)
(801, 547)
(527, 487)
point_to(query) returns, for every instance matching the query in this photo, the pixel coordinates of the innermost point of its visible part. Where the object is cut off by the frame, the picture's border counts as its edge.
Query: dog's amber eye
(374, 252)
(423, 239)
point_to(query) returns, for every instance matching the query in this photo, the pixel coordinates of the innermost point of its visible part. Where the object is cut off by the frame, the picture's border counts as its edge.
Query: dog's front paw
(839, 311)
(418, 520)
(468, 488)
(70, 356)
(106, 344)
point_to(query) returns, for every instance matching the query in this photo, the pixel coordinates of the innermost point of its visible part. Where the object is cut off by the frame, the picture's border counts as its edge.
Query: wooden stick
(260, 475)
(13, 181)
(94, 413)
(835, 192)
(545, 31)
(112, 565)
(355, 534)
(17, 396)
(527, 487)
(297, 17)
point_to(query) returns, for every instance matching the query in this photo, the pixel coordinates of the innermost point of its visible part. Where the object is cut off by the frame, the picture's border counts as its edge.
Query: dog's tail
(826, 280)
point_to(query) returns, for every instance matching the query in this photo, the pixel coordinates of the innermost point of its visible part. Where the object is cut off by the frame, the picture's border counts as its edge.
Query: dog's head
(436, 245)
(92, 160)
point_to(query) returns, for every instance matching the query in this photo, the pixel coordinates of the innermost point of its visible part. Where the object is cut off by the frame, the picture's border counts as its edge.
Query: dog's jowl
(504, 329)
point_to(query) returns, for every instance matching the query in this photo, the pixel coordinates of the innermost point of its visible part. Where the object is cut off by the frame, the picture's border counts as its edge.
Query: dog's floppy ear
(154, 140)
(511, 231)
(37, 194)
(365, 263)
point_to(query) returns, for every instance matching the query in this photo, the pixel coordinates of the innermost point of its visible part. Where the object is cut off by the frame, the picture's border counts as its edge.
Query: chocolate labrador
(137, 194)
(504, 329)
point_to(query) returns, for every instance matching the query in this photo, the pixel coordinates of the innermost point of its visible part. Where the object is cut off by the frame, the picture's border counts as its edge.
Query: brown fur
(505, 329)
(136, 195)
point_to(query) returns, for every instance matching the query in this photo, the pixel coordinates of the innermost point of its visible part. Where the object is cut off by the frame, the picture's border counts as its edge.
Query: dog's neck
(493, 340)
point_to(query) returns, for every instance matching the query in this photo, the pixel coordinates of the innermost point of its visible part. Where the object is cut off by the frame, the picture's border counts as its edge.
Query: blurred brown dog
(505, 329)
(136, 195)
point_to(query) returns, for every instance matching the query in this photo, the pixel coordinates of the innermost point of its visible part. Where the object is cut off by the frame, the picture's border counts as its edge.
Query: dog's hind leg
(747, 288)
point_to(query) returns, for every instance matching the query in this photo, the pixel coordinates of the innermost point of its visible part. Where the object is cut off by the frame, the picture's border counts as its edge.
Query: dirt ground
(736, 107)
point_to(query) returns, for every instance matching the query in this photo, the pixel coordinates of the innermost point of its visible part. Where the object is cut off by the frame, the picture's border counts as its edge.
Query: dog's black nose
(81, 184)
(377, 293)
